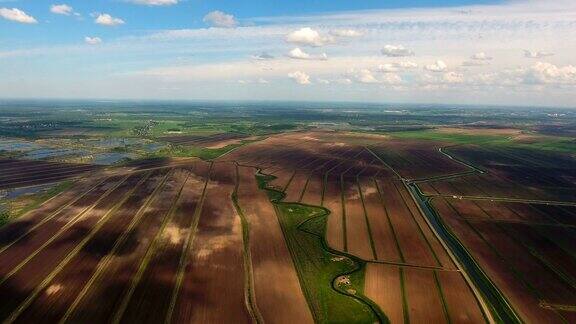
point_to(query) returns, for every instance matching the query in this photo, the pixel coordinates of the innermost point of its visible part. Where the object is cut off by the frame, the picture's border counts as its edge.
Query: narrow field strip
(101, 301)
(50, 305)
(187, 245)
(367, 220)
(249, 286)
(103, 264)
(63, 229)
(46, 218)
(117, 317)
(70, 255)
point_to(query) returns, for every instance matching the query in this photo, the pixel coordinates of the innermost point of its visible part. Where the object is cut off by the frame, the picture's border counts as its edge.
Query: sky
(504, 52)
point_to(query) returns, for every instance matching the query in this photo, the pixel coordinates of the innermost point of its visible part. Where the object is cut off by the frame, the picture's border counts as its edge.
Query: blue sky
(451, 51)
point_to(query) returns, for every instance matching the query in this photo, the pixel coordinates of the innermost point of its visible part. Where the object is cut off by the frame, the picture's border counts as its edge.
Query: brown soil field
(48, 210)
(151, 299)
(526, 173)
(382, 233)
(36, 266)
(440, 255)
(21, 173)
(31, 241)
(283, 178)
(54, 300)
(272, 261)
(203, 140)
(547, 284)
(476, 131)
(416, 159)
(212, 289)
(333, 201)
(413, 245)
(422, 293)
(296, 187)
(357, 233)
(460, 300)
(313, 194)
(522, 297)
(382, 286)
(100, 301)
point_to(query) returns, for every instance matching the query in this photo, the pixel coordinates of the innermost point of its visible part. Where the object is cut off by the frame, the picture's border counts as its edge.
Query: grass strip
(332, 281)
(250, 295)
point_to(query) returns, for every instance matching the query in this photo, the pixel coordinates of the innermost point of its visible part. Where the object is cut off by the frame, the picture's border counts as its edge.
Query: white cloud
(308, 37)
(220, 19)
(394, 67)
(92, 40)
(367, 77)
(155, 2)
(439, 66)
(453, 77)
(17, 15)
(481, 57)
(62, 9)
(107, 20)
(299, 54)
(396, 51)
(346, 33)
(547, 73)
(388, 67)
(407, 65)
(300, 77)
(537, 54)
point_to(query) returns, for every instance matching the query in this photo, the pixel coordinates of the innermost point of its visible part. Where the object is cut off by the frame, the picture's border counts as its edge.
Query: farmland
(219, 216)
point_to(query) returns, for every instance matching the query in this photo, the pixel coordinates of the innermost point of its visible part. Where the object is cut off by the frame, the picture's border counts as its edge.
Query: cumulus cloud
(453, 77)
(300, 77)
(481, 57)
(393, 67)
(17, 15)
(396, 51)
(367, 77)
(299, 54)
(308, 37)
(220, 19)
(155, 2)
(107, 20)
(62, 9)
(547, 73)
(536, 54)
(92, 40)
(439, 66)
(345, 33)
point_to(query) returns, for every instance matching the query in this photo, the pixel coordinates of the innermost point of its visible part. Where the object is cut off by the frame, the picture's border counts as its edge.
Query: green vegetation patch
(332, 281)
(22, 205)
(199, 152)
